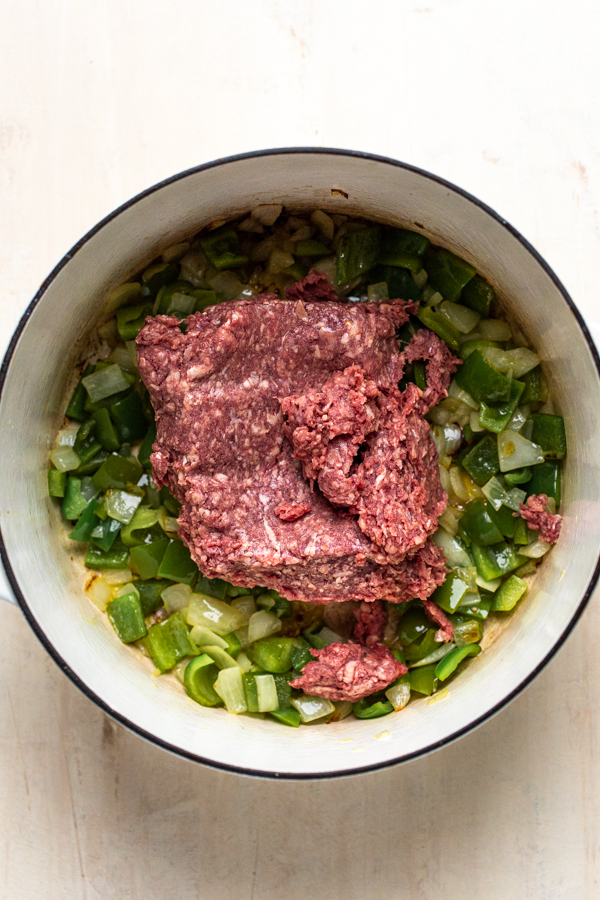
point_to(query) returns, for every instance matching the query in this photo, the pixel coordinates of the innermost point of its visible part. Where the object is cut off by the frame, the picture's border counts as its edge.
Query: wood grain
(98, 101)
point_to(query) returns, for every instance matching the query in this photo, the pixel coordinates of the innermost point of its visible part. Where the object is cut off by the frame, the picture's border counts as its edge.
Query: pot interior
(31, 409)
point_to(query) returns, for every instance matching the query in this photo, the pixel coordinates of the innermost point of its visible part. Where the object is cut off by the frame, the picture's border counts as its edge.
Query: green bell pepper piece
(301, 656)
(440, 325)
(449, 594)
(177, 564)
(105, 430)
(448, 274)
(159, 275)
(131, 318)
(273, 602)
(367, 709)
(482, 461)
(517, 476)
(76, 407)
(311, 247)
(166, 293)
(523, 533)
(147, 558)
(546, 479)
(480, 608)
(214, 587)
(413, 624)
(274, 654)
(126, 617)
(508, 594)
(150, 591)
(478, 525)
(91, 467)
(222, 247)
(423, 680)
(493, 562)
(504, 520)
(115, 558)
(549, 433)
(297, 270)
(467, 630)
(74, 502)
(250, 691)
(449, 663)
(88, 520)
(421, 648)
(204, 299)
(289, 716)
(169, 642)
(198, 679)
(478, 295)
(57, 483)
(420, 371)
(403, 248)
(128, 416)
(117, 472)
(495, 418)
(357, 252)
(484, 383)
(534, 386)
(469, 347)
(105, 533)
(401, 284)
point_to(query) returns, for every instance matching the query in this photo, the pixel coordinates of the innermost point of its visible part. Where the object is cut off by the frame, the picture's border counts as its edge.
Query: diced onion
(468, 574)
(175, 252)
(454, 549)
(326, 265)
(550, 505)
(311, 708)
(88, 489)
(420, 278)
(227, 284)
(66, 437)
(474, 422)
(458, 485)
(457, 393)
(99, 592)
(245, 604)
(220, 656)
(278, 261)
(117, 576)
(267, 693)
(518, 418)
(453, 438)
(251, 226)
(535, 549)
(121, 295)
(515, 497)
(520, 360)
(122, 357)
(324, 223)
(267, 214)
(243, 662)
(242, 636)
(330, 637)
(449, 519)
(64, 459)
(214, 614)
(445, 479)
(181, 304)
(262, 624)
(109, 332)
(176, 597)
(230, 688)
(461, 317)
(105, 383)
(495, 492)
(435, 656)
(491, 586)
(343, 708)
(399, 695)
(495, 330)
(127, 588)
(193, 266)
(179, 669)
(516, 452)
(204, 637)
(121, 506)
(378, 293)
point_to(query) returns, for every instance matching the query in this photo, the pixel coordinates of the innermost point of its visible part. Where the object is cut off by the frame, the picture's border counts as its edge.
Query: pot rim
(64, 666)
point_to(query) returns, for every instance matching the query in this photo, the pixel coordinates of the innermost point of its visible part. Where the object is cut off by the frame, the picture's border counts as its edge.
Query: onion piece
(64, 459)
(491, 586)
(214, 614)
(516, 452)
(326, 265)
(518, 418)
(99, 592)
(519, 360)
(267, 214)
(221, 657)
(457, 393)
(329, 636)
(230, 688)
(458, 485)
(267, 693)
(204, 637)
(455, 550)
(474, 422)
(122, 357)
(449, 520)
(420, 278)
(399, 695)
(378, 293)
(515, 497)
(245, 604)
(104, 383)
(66, 437)
(243, 662)
(278, 261)
(534, 550)
(311, 708)
(121, 295)
(463, 318)
(262, 624)
(495, 330)
(227, 284)
(324, 223)
(495, 492)
(468, 574)
(176, 597)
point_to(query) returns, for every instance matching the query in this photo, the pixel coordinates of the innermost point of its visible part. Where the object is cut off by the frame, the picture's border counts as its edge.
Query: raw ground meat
(349, 671)
(248, 514)
(445, 632)
(534, 513)
(314, 286)
(371, 619)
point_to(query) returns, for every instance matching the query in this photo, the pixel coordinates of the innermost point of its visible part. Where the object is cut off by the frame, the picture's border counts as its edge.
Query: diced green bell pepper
(508, 594)
(273, 602)
(76, 407)
(401, 284)
(484, 383)
(159, 275)
(105, 533)
(92, 466)
(131, 318)
(310, 247)
(449, 663)
(297, 270)
(357, 252)
(546, 479)
(57, 483)
(169, 642)
(467, 630)
(549, 433)
(117, 472)
(128, 416)
(523, 533)
(214, 587)
(504, 520)
(449, 594)
(495, 418)
(400, 247)
(105, 430)
(420, 371)
(147, 558)
(423, 680)
(493, 562)
(479, 609)
(166, 293)
(301, 656)
(440, 325)
(482, 461)
(413, 624)
(534, 386)
(204, 299)
(222, 247)
(469, 347)
(367, 709)
(198, 679)
(126, 617)
(448, 274)
(115, 558)
(421, 648)
(88, 520)
(289, 716)
(517, 476)
(274, 654)
(74, 502)
(150, 592)
(478, 525)
(250, 691)
(177, 564)
(478, 295)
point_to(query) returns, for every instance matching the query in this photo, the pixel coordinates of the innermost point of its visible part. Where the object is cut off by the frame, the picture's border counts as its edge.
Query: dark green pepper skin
(275, 654)
(401, 284)
(357, 252)
(478, 295)
(546, 479)
(169, 642)
(448, 274)
(126, 617)
(222, 248)
(373, 707)
(484, 383)
(198, 679)
(482, 461)
(549, 433)
(478, 525)
(177, 564)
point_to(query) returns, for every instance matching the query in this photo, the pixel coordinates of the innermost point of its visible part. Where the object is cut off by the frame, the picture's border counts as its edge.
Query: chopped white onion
(329, 636)
(535, 549)
(227, 284)
(326, 265)
(324, 223)
(99, 592)
(104, 383)
(267, 693)
(175, 252)
(242, 636)
(468, 574)
(262, 624)
(495, 492)
(176, 597)
(453, 438)
(64, 459)
(121, 295)
(193, 266)
(245, 604)
(454, 549)
(378, 293)
(449, 519)
(516, 452)
(518, 418)
(463, 318)
(122, 357)
(474, 422)
(399, 695)
(420, 278)
(445, 479)
(311, 708)
(252, 226)
(515, 497)
(181, 304)
(220, 656)
(204, 637)
(278, 261)
(491, 586)
(458, 485)
(243, 662)
(457, 393)
(179, 669)
(214, 614)
(267, 214)
(495, 330)
(117, 576)
(128, 588)
(230, 688)
(343, 708)
(519, 360)
(66, 437)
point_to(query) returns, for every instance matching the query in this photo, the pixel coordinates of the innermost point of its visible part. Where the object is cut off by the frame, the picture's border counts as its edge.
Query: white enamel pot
(34, 381)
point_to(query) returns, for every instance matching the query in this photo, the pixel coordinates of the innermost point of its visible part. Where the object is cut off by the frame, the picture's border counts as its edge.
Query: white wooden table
(100, 100)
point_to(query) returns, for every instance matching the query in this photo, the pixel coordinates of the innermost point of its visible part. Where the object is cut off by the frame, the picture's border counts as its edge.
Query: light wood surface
(98, 101)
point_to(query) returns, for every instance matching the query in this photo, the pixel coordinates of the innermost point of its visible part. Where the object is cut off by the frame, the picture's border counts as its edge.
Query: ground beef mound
(314, 286)
(445, 632)
(249, 514)
(534, 513)
(349, 671)
(371, 619)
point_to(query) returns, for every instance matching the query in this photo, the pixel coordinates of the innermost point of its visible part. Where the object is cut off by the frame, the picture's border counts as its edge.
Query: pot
(35, 377)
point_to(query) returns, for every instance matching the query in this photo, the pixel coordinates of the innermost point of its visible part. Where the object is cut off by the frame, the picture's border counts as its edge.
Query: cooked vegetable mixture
(420, 590)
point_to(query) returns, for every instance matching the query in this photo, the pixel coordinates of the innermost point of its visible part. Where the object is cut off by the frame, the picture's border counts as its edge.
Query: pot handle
(5, 588)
